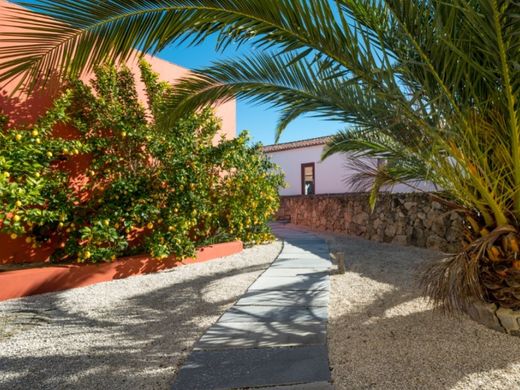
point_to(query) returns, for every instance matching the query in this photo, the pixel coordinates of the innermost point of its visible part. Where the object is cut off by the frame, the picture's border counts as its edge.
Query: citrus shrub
(33, 195)
(148, 188)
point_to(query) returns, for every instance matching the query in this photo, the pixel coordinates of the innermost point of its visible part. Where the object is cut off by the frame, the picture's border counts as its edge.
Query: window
(308, 179)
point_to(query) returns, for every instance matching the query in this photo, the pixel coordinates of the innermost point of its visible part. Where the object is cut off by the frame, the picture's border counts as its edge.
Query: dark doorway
(308, 179)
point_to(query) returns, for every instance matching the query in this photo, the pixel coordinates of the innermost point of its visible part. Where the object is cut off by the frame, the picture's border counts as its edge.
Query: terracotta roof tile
(304, 143)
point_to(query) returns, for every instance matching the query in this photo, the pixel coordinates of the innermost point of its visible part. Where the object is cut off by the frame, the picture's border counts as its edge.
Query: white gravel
(383, 335)
(132, 333)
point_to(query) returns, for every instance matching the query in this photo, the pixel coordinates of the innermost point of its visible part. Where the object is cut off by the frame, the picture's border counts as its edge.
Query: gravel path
(126, 334)
(383, 335)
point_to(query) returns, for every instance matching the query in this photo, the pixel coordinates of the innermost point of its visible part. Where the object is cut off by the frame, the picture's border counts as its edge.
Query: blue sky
(259, 120)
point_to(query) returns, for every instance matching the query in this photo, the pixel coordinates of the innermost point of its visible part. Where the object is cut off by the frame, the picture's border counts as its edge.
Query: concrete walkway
(275, 335)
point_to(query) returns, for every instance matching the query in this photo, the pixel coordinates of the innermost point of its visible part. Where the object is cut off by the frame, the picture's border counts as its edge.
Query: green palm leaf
(79, 34)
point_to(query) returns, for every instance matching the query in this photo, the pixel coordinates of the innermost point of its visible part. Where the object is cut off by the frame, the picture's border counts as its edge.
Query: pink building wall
(24, 108)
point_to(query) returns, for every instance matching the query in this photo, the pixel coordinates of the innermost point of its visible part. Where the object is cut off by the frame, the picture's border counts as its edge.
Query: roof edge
(304, 143)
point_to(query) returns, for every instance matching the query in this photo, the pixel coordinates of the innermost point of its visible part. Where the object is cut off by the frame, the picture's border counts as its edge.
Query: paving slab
(287, 234)
(284, 234)
(275, 313)
(319, 263)
(301, 386)
(282, 272)
(226, 335)
(323, 254)
(302, 238)
(302, 251)
(302, 255)
(284, 298)
(308, 255)
(274, 337)
(308, 247)
(293, 253)
(291, 283)
(304, 241)
(238, 368)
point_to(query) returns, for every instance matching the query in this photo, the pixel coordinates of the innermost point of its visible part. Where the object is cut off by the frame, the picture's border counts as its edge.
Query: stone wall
(495, 317)
(407, 219)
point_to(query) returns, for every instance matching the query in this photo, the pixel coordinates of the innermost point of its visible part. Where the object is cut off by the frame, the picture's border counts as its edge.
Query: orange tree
(150, 188)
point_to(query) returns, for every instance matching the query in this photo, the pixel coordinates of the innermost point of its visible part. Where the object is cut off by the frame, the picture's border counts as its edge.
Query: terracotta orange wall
(24, 108)
(20, 283)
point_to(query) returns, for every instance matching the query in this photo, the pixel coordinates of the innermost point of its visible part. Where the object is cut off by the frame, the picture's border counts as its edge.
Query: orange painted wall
(24, 108)
(20, 283)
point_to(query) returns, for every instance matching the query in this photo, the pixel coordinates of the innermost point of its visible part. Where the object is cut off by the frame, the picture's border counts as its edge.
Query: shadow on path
(383, 334)
(135, 341)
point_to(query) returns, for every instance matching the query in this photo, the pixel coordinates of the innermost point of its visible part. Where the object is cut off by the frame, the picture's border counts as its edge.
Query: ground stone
(224, 335)
(275, 313)
(390, 230)
(282, 272)
(254, 367)
(285, 298)
(302, 386)
(485, 313)
(311, 253)
(400, 239)
(302, 263)
(509, 319)
(303, 255)
(291, 283)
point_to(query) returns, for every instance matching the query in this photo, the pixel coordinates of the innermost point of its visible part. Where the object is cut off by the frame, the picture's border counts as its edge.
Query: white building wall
(331, 175)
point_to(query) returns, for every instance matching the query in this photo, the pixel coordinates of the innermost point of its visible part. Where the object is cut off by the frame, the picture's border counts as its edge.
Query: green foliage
(430, 86)
(147, 188)
(33, 195)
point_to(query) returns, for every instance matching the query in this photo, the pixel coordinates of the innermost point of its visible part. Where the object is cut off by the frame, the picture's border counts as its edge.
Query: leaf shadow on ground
(138, 342)
(383, 334)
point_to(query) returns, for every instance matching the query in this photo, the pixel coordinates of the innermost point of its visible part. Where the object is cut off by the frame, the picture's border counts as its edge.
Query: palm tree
(430, 86)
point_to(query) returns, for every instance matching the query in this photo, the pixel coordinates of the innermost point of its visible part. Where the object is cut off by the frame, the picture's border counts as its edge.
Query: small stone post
(340, 261)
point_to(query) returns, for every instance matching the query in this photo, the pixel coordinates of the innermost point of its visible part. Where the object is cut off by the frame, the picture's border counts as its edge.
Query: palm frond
(454, 284)
(378, 160)
(285, 81)
(77, 34)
